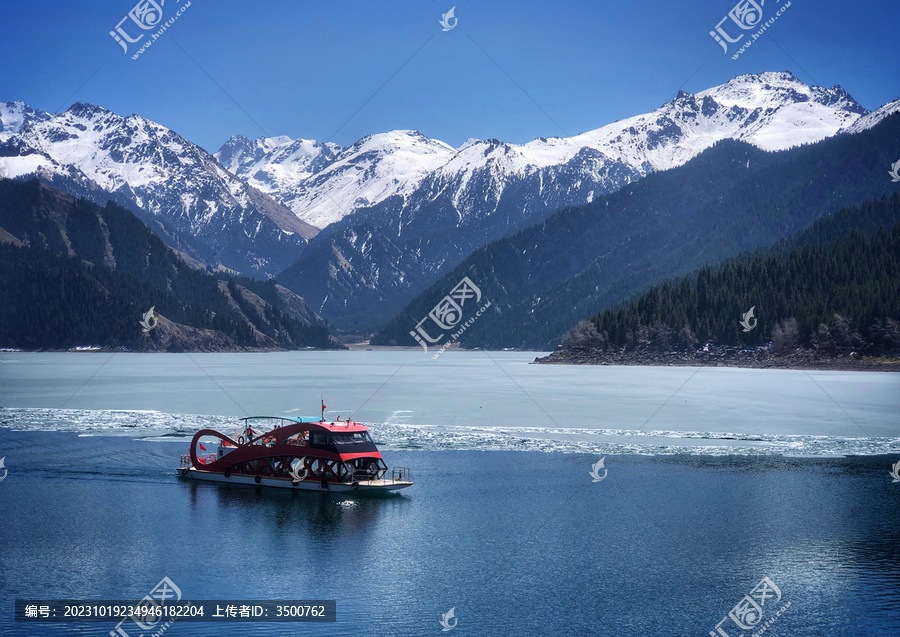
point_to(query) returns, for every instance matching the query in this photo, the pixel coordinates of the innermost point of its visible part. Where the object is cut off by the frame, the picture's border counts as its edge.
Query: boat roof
(329, 425)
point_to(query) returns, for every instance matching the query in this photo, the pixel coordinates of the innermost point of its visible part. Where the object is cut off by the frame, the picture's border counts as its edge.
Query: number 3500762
(299, 611)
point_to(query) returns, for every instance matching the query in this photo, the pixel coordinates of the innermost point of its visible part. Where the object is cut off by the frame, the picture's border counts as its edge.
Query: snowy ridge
(162, 175)
(272, 163)
(322, 183)
(773, 111)
(131, 151)
(253, 205)
(869, 120)
(14, 116)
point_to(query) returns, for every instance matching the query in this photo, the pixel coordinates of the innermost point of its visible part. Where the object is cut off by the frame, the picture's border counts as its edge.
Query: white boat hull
(286, 483)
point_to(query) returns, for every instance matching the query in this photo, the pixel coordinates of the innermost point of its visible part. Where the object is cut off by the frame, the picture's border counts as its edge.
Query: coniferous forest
(833, 289)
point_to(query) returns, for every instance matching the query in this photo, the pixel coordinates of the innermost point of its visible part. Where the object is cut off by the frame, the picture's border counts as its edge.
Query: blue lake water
(517, 538)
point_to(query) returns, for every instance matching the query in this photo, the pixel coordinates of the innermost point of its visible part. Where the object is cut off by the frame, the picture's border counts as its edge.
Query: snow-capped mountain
(274, 163)
(869, 120)
(14, 116)
(164, 178)
(323, 183)
(773, 111)
(400, 209)
(733, 197)
(489, 188)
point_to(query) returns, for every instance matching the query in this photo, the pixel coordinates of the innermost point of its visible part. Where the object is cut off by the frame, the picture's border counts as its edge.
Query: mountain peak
(399, 138)
(771, 78)
(238, 139)
(85, 109)
(774, 87)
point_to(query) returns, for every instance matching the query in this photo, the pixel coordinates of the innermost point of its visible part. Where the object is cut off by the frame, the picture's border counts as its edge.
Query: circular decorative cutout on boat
(354, 485)
(184, 472)
(295, 483)
(241, 440)
(257, 479)
(227, 474)
(324, 483)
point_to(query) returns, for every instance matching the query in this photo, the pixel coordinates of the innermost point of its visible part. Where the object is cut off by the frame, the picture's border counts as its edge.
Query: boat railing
(401, 474)
(186, 460)
(398, 474)
(362, 475)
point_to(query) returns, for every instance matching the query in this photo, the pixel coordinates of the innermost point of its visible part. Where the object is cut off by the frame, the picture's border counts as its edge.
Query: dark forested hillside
(731, 198)
(833, 288)
(53, 302)
(75, 273)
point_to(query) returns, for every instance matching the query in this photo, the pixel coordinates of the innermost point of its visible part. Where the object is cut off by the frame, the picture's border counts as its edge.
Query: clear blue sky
(304, 68)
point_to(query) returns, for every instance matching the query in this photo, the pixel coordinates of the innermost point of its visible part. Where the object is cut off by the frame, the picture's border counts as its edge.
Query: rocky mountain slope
(168, 181)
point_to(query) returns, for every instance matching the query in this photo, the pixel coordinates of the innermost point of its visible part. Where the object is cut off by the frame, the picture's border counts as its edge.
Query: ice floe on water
(399, 434)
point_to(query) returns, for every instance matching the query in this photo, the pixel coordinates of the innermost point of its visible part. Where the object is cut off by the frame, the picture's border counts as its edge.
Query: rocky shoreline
(731, 357)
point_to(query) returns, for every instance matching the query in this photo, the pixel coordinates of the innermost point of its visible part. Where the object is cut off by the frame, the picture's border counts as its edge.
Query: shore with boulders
(758, 358)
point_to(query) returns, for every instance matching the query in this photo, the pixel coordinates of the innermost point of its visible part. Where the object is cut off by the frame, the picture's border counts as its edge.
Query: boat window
(297, 439)
(351, 438)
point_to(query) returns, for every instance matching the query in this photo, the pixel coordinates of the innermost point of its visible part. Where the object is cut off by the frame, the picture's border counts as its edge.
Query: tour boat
(294, 453)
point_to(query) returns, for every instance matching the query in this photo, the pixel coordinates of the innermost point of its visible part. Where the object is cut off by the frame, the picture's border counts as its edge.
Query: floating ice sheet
(179, 427)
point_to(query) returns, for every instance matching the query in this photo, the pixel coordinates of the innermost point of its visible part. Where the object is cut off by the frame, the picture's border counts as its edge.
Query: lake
(464, 400)
(714, 479)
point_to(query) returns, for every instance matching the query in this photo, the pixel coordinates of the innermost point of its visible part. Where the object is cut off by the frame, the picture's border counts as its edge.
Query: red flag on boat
(202, 448)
